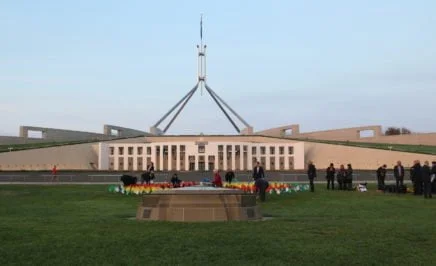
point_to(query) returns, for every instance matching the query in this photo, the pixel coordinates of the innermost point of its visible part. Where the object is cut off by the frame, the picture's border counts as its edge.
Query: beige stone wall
(73, 157)
(80, 156)
(360, 158)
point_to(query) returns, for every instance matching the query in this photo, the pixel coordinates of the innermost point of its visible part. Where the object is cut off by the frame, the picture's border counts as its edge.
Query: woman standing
(349, 174)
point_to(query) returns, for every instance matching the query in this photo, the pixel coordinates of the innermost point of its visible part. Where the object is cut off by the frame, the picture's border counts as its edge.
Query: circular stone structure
(199, 204)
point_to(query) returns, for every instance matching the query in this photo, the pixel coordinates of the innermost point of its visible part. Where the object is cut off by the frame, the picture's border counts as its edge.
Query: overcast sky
(321, 64)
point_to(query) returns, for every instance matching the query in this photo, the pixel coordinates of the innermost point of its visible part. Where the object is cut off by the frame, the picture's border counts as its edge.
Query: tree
(392, 131)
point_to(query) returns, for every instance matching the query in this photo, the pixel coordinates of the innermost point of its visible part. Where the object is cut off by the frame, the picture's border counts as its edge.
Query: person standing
(311, 174)
(399, 176)
(433, 176)
(340, 177)
(381, 176)
(258, 172)
(330, 176)
(426, 179)
(54, 174)
(261, 186)
(217, 180)
(349, 177)
(416, 176)
(229, 176)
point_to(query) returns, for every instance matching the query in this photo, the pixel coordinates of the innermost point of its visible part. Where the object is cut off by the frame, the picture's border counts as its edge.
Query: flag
(201, 28)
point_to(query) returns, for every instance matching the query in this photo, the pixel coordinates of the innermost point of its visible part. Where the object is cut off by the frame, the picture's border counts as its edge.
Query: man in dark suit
(381, 175)
(258, 172)
(330, 176)
(311, 174)
(433, 176)
(416, 177)
(426, 179)
(399, 175)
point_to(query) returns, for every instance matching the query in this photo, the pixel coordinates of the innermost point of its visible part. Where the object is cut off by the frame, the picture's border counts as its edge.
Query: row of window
(202, 149)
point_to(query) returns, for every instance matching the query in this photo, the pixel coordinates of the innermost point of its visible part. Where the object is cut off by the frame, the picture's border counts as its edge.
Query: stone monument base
(199, 204)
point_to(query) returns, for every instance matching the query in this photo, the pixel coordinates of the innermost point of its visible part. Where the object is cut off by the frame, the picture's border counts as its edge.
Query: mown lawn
(86, 225)
(424, 149)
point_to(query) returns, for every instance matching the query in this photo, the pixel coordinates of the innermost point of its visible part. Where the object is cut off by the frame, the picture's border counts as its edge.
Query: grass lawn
(86, 225)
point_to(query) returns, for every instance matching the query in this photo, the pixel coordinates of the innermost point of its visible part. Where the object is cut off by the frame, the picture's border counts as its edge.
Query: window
(290, 150)
(139, 150)
(281, 150)
(182, 148)
(253, 150)
(272, 150)
(201, 148)
(148, 150)
(120, 150)
(245, 148)
(111, 150)
(165, 150)
(220, 148)
(130, 150)
(262, 150)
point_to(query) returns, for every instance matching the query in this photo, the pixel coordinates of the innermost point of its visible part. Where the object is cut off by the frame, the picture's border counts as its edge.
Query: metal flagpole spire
(201, 82)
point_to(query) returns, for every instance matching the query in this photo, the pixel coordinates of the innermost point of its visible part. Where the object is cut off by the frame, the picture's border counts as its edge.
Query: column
(135, 158)
(161, 158)
(286, 158)
(126, 158)
(233, 157)
(153, 154)
(116, 159)
(224, 157)
(216, 158)
(170, 157)
(177, 157)
(277, 156)
(206, 162)
(196, 162)
(267, 158)
(249, 155)
(186, 159)
(241, 157)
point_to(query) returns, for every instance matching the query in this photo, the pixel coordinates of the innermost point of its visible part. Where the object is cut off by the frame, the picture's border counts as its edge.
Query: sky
(321, 64)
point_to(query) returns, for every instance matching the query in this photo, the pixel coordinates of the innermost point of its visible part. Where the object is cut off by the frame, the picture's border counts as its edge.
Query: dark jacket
(415, 173)
(349, 173)
(258, 174)
(342, 174)
(381, 172)
(229, 176)
(330, 173)
(399, 173)
(425, 173)
(311, 171)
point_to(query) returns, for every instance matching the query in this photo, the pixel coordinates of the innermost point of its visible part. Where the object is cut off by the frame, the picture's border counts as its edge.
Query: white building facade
(201, 155)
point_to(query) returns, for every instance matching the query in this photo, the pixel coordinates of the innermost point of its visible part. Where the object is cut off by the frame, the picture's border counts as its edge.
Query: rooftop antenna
(201, 82)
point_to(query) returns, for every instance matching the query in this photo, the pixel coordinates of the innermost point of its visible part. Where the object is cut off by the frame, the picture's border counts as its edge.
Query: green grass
(424, 149)
(86, 225)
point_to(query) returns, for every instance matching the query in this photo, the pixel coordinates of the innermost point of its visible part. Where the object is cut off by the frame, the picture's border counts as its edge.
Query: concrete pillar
(196, 162)
(224, 157)
(277, 157)
(153, 154)
(103, 156)
(233, 156)
(177, 157)
(241, 157)
(249, 157)
(206, 162)
(135, 158)
(170, 158)
(267, 158)
(161, 158)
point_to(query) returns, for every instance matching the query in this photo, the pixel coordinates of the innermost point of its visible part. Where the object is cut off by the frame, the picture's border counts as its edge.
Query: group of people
(422, 177)
(344, 176)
